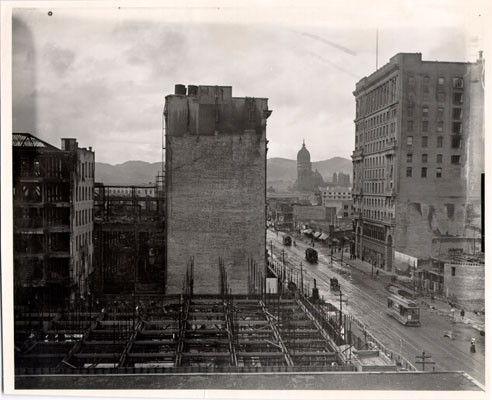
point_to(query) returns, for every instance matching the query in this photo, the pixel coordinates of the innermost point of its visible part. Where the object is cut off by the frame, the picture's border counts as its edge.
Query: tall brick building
(417, 161)
(215, 188)
(53, 220)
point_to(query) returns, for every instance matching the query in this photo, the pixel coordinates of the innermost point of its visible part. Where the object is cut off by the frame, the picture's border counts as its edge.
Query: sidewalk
(363, 266)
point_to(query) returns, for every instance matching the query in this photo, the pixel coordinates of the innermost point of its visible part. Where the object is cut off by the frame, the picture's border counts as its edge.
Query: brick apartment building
(215, 189)
(417, 160)
(53, 220)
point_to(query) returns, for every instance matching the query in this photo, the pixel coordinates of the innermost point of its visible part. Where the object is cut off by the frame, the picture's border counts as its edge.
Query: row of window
(129, 191)
(457, 113)
(374, 174)
(83, 193)
(375, 232)
(455, 141)
(441, 81)
(83, 239)
(458, 98)
(376, 202)
(455, 159)
(376, 120)
(374, 187)
(86, 169)
(83, 217)
(337, 193)
(424, 171)
(456, 127)
(376, 98)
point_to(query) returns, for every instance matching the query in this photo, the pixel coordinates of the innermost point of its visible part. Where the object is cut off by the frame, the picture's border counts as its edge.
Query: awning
(317, 234)
(308, 231)
(335, 241)
(323, 236)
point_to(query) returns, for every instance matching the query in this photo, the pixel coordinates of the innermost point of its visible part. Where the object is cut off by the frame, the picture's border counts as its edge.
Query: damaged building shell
(215, 188)
(417, 161)
(53, 220)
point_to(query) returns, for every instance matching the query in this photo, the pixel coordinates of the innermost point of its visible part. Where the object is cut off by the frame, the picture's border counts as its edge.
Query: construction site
(129, 239)
(285, 340)
(184, 293)
(190, 333)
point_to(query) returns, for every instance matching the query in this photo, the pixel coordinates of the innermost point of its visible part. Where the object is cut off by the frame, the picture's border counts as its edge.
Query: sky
(101, 74)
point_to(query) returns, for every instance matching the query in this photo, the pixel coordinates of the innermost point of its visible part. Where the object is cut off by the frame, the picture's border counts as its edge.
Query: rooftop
(28, 140)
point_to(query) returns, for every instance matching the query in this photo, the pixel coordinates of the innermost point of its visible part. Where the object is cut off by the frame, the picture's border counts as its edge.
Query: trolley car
(404, 310)
(311, 255)
(287, 240)
(334, 285)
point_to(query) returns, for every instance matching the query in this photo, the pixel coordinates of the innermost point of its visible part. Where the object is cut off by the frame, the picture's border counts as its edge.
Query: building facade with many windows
(417, 160)
(53, 221)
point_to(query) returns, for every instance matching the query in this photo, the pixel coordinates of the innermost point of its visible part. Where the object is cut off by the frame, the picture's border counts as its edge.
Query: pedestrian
(462, 313)
(377, 274)
(472, 346)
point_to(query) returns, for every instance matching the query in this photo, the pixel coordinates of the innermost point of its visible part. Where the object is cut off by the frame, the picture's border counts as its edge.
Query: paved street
(367, 298)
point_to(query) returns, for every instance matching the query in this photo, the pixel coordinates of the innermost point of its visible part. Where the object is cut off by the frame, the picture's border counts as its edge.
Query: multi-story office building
(417, 161)
(53, 220)
(215, 190)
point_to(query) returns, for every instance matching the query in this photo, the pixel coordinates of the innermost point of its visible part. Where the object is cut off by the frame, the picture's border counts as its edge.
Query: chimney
(69, 144)
(192, 90)
(180, 89)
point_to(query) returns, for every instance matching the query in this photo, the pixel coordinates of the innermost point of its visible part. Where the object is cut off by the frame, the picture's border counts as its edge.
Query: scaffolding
(129, 239)
(177, 333)
(272, 332)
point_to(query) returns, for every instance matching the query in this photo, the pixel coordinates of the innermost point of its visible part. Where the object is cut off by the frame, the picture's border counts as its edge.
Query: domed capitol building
(307, 180)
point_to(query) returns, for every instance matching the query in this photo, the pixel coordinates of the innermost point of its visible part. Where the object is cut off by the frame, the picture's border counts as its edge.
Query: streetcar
(287, 240)
(311, 255)
(404, 310)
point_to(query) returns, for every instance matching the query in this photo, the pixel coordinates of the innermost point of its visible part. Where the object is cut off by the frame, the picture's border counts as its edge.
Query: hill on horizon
(281, 171)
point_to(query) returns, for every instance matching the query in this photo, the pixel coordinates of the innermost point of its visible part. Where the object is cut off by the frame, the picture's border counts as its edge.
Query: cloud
(103, 78)
(59, 58)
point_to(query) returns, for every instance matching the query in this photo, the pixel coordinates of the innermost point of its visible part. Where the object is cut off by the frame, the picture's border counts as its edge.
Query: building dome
(303, 154)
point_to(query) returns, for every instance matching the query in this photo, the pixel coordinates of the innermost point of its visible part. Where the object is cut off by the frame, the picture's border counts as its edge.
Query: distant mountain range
(281, 172)
(128, 173)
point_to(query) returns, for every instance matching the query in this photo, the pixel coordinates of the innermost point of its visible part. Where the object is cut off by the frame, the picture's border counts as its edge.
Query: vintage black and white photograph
(241, 196)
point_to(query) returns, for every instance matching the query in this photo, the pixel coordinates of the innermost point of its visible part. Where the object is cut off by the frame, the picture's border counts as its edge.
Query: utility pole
(283, 260)
(331, 251)
(340, 312)
(302, 281)
(426, 359)
(343, 245)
